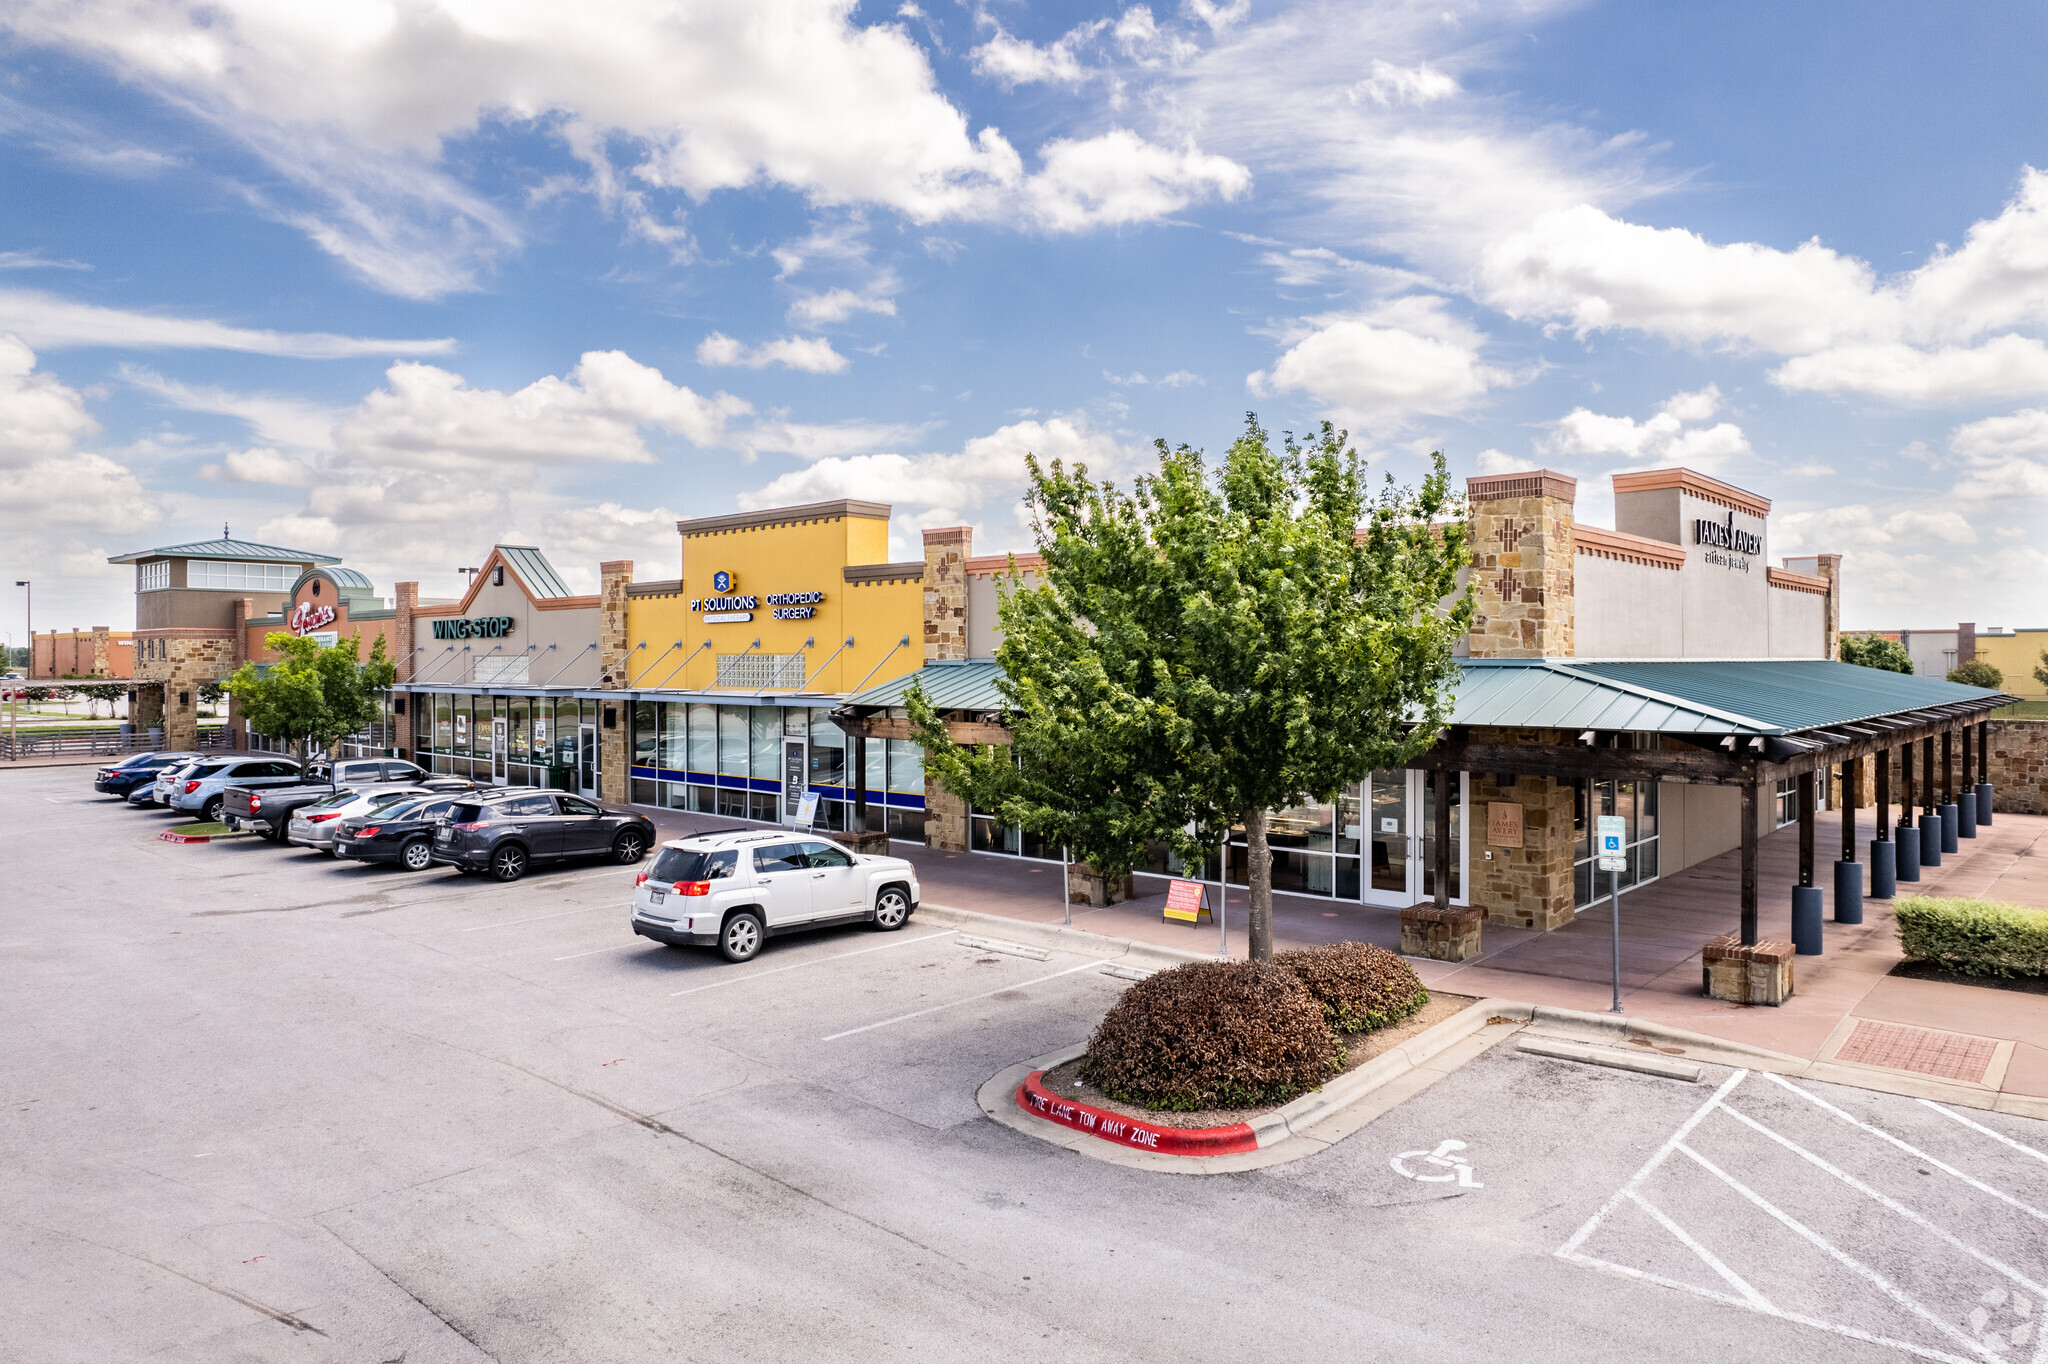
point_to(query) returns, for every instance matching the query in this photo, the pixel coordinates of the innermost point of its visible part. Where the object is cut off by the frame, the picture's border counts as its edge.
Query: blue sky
(394, 282)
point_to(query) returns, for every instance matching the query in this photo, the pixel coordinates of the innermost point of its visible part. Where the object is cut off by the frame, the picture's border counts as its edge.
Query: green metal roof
(969, 685)
(535, 571)
(1691, 696)
(226, 549)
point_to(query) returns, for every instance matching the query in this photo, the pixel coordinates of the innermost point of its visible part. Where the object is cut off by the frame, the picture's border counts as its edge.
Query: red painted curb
(1040, 1102)
(168, 837)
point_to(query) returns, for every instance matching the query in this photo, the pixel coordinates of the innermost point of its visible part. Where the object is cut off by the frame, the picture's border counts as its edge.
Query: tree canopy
(1977, 673)
(315, 694)
(1875, 651)
(1215, 644)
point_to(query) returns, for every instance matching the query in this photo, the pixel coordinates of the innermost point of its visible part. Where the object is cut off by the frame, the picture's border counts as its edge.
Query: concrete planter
(1441, 934)
(1747, 975)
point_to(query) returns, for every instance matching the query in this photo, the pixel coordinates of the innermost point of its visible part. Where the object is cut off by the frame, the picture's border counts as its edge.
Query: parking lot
(262, 1105)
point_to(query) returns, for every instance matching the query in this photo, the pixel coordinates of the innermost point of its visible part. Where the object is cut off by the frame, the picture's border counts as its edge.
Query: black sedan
(124, 776)
(402, 833)
(505, 833)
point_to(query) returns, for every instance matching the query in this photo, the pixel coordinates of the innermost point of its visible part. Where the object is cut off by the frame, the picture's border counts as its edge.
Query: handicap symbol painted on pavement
(1445, 1158)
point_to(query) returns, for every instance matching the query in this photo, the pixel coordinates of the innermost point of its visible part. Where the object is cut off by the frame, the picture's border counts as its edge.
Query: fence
(46, 741)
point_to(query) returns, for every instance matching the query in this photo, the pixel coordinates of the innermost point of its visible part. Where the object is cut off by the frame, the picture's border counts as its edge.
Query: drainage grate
(1923, 1051)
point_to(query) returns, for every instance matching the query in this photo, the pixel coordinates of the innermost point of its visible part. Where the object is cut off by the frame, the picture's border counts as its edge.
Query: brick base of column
(1746, 975)
(1441, 934)
(1085, 887)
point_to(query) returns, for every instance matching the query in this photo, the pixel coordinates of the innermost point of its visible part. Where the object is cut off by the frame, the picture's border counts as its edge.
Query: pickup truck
(268, 810)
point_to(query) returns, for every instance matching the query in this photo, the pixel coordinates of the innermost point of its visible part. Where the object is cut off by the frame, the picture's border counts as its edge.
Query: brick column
(1523, 546)
(613, 662)
(403, 644)
(102, 651)
(945, 592)
(1529, 886)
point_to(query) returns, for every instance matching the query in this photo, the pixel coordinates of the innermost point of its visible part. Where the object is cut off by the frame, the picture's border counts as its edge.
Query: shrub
(1875, 651)
(1974, 937)
(1977, 673)
(1212, 1034)
(1361, 987)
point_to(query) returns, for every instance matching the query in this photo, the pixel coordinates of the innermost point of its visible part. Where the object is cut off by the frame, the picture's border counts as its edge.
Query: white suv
(734, 891)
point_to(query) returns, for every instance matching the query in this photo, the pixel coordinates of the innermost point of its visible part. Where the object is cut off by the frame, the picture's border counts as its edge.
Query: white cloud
(818, 440)
(1181, 378)
(1217, 17)
(812, 354)
(2006, 457)
(2023, 433)
(1119, 177)
(39, 415)
(1016, 61)
(274, 418)
(36, 260)
(1391, 84)
(1125, 380)
(1671, 436)
(353, 111)
(1381, 368)
(260, 465)
(49, 322)
(2002, 368)
(836, 305)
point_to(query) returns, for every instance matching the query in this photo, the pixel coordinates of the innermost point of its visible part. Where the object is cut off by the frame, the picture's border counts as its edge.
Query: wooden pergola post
(1948, 767)
(859, 779)
(1440, 782)
(1852, 781)
(1804, 786)
(1752, 810)
(1883, 773)
(1927, 801)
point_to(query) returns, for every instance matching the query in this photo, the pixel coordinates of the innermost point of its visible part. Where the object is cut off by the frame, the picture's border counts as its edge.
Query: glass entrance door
(499, 741)
(586, 760)
(1401, 835)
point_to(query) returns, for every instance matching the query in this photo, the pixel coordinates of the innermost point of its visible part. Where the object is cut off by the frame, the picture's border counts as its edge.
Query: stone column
(403, 644)
(945, 818)
(102, 651)
(1830, 567)
(1528, 886)
(613, 756)
(1523, 547)
(146, 711)
(946, 550)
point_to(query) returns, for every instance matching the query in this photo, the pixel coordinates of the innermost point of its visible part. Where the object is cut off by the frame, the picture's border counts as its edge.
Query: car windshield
(390, 798)
(683, 864)
(333, 802)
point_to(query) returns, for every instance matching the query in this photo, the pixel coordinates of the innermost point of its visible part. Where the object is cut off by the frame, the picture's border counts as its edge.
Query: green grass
(207, 829)
(2022, 710)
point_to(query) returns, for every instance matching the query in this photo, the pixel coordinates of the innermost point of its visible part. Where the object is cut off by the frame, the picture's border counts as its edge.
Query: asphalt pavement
(261, 1105)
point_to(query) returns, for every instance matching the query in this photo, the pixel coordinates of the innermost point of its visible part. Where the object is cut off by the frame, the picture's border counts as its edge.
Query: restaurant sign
(475, 627)
(306, 618)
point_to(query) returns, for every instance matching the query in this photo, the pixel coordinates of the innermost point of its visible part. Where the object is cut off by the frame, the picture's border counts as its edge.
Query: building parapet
(836, 510)
(1629, 549)
(910, 571)
(1795, 582)
(1698, 484)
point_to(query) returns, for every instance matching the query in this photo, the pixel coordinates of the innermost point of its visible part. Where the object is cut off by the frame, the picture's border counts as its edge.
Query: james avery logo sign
(476, 627)
(1724, 535)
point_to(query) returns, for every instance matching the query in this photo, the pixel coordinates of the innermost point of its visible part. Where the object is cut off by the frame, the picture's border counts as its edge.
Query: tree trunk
(1259, 878)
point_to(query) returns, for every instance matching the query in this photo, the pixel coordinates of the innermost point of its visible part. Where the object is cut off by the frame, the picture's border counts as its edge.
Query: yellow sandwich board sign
(1187, 902)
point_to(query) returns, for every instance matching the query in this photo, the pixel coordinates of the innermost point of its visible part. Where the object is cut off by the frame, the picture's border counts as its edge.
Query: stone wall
(945, 592)
(192, 663)
(2019, 766)
(1523, 552)
(615, 577)
(1529, 886)
(405, 649)
(945, 818)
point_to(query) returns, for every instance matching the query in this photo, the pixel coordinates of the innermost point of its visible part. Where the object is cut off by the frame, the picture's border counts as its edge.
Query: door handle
(817, 876)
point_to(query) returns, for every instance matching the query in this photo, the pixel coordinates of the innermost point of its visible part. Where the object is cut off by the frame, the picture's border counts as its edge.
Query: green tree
(2041, 669)
(96, 692)
(315, 694)
(1213, 645)
(211, 693)
(1875, 651)
(1977, 673)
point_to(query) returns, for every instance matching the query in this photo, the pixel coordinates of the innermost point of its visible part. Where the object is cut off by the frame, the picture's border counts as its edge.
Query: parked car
(317, 825)
(402, 833)
(159, 791)
(203, 789)
(140, 770)
(267, 812)
(507, 833)
(734, 891)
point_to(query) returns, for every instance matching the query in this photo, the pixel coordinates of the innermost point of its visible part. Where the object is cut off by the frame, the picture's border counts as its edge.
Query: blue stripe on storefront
(895, 799)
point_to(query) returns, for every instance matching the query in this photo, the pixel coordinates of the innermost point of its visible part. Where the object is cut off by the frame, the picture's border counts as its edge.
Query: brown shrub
(1361, 987)
(1212, 1034)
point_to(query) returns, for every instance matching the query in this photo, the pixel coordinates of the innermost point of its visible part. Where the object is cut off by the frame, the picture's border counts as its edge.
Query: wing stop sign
(1187, 902)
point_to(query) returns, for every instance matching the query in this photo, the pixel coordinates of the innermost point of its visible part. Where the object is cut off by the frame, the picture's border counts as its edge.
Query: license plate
(655, 897)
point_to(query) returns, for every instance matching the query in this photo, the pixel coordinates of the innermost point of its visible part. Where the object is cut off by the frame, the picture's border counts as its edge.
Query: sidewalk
(1663, 927)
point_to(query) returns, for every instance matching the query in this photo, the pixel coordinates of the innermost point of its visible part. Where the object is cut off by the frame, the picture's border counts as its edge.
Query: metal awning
(968, 685)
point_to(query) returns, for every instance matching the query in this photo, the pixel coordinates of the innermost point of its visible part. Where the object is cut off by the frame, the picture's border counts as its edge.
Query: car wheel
(417, 855)
(629, 846)
(509, 862)
(892, 909)
(210, 812)
(743, 936)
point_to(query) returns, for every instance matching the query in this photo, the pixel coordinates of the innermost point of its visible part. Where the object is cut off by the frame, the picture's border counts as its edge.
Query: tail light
(190, 787)
(255, 804)
(322, 819)
(693, 887)
(369, 832)
(640, 880)
(473, 825)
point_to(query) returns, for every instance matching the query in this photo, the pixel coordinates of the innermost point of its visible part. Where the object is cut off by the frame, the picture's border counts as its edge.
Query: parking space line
(1888, 1201)
(905, 1018)
(815, 961)
(1948, 1112)
(1838, 1255)
(1912, 1150)
(615, 947)
(511, 923)
(1713, 1261)
(1713, 1295)
(1671, 1144)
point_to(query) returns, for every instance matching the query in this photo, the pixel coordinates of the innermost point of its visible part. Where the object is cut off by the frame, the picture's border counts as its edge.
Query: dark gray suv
(505, 834)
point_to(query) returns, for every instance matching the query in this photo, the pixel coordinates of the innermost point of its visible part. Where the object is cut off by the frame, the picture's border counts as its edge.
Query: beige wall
(568, 629)
(1799, 623)
(1629, 610)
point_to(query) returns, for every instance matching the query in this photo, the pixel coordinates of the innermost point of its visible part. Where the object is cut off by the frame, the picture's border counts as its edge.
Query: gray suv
(507, 833)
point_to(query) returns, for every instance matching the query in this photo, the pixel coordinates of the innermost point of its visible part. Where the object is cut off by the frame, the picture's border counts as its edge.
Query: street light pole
(25, 583)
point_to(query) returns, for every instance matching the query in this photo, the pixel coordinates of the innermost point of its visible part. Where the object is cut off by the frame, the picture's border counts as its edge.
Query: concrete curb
(168, 837)
(1059, 936)
(1314, 1122)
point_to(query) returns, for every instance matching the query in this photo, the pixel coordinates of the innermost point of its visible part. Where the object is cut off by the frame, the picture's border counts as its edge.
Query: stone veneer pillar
(192, 664)
(1529, 886)
(102, 651)
(1831, 569)
(1522, 571)
(615, 576)
(404, 647)
(946, 549)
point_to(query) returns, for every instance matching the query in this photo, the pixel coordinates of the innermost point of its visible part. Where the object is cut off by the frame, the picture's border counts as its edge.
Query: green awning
(968, 685)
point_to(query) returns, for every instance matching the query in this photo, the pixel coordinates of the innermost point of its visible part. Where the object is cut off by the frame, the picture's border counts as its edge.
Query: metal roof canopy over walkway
(1719, 722)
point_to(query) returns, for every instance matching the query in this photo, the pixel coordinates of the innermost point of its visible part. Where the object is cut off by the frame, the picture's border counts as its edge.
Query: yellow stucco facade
(2016, 655)
(768, 601)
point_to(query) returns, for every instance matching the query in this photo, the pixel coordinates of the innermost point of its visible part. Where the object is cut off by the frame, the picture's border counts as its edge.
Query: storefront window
(521, 736)
(444, 725)
(765, 723)
(828, 750)
(732, 743)
(1636, 803)
(675, 736)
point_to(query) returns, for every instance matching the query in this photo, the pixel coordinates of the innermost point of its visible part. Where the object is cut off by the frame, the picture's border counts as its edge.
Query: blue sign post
(1611, 835)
